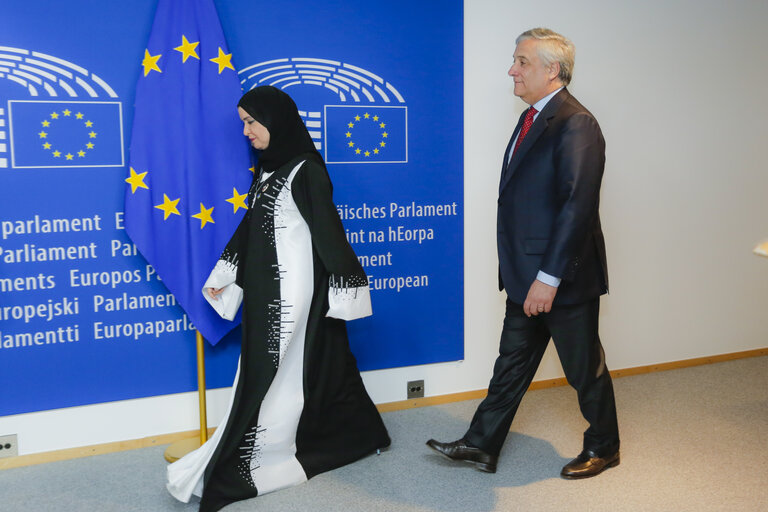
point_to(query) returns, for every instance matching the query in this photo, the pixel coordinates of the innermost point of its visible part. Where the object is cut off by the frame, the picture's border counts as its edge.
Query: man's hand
(539, 299)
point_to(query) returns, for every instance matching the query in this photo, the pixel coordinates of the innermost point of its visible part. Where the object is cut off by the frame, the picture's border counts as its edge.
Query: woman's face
(256, 132)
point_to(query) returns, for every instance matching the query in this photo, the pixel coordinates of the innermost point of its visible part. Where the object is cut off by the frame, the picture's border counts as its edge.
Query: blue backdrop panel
(84, 319)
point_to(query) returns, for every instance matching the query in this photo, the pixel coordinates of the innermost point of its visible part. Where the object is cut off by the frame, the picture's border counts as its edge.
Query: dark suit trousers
(573, 329)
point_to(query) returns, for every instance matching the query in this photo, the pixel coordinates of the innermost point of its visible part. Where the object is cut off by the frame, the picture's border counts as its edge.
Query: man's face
(533, 80)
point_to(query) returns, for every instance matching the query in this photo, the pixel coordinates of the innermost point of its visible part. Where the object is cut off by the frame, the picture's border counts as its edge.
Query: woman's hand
(214, 292)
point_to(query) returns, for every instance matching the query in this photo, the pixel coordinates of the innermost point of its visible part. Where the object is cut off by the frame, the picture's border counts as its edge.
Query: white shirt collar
(539, 105)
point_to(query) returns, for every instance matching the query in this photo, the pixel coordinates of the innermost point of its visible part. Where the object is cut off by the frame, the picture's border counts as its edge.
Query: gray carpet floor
(694, 439)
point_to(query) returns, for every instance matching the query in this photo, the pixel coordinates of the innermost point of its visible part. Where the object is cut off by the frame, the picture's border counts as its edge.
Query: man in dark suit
(551, 261)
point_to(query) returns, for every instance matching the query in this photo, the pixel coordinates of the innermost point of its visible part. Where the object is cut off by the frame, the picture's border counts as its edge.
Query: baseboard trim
(101, 449)
(97, 449)
(561, 381)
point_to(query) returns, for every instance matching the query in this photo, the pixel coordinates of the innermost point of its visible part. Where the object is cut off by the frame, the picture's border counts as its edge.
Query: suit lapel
(537, 129)
(504, 166)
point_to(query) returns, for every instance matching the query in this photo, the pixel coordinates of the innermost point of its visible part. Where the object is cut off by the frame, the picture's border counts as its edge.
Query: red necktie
(527, 122)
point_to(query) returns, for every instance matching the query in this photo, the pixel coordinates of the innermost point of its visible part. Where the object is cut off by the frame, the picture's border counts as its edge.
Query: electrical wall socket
(9, 446)
(415, 389)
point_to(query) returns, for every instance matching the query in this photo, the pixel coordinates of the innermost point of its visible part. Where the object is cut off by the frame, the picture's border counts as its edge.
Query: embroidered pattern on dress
(281, 202)
(339, 285)
(253, 440)
(227, 263)
(286, 327)
(251, 456)
(270, 204)
(274, 198)
(280, 331)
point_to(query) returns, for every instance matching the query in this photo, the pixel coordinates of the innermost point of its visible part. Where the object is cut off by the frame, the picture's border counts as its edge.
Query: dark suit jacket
(548, 205)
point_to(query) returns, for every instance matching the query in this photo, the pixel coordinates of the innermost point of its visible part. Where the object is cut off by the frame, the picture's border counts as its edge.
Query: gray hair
(553, 48)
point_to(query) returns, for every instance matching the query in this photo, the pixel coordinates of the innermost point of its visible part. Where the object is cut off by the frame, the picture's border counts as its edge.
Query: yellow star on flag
(357, 151)
(252, 169)
(81, 153)
(89, 145)
(89, 123)
(150, 62)
(46, 124)
(69, 156)
(79, 115)
(187, 49)
(92, 134)
(168, 207)
(367, 153)
(54, 115)
(47, 145)
(238, 200)
(57, 153)
(351, 144)
(223, 60)
(136, 180)
(67, 112)
(204, 216)
(42, 135)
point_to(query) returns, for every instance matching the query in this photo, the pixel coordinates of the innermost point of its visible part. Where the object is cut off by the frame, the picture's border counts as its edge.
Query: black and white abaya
(299, 406)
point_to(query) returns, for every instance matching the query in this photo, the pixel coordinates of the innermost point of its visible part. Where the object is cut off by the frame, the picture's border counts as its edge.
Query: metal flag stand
(180, 448)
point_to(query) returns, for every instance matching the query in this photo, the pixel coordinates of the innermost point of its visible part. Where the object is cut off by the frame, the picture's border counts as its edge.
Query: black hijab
(288, 136)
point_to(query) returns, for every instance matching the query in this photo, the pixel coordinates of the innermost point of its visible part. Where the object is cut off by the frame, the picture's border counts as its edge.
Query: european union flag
(189, 162)
(366, 134)
(66, 133)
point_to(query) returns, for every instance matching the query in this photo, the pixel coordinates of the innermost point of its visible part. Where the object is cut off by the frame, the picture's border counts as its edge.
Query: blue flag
(189, 162)
(366, 134)
(66, 133)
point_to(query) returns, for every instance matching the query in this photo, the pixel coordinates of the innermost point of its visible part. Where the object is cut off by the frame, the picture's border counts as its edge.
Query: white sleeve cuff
(349, 303)
(548, 279)
(223, 276)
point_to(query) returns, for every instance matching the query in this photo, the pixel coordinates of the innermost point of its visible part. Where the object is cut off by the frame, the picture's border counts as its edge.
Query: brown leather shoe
(589, 464)
(461, 450)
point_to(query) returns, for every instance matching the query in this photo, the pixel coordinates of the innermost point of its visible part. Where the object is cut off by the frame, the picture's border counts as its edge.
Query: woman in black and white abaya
(299, 406)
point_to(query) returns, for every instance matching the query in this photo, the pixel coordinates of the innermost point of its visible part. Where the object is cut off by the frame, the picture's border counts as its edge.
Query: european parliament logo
(66, 134)
(65, 125)
(367, 122)
(366, 134)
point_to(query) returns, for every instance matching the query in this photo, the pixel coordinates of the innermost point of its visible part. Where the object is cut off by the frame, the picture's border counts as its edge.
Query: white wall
(676, 86)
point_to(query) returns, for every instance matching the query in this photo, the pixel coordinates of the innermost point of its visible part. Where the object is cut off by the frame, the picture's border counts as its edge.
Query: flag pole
(180, 448)
(201, 388)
